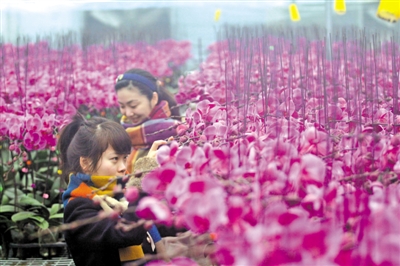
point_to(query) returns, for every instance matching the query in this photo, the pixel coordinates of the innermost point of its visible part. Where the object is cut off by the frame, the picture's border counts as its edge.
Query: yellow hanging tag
(294, 12)
(389, 10)
(217, 14)
(340, 7)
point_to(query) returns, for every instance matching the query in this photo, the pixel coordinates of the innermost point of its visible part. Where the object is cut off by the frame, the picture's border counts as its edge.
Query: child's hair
(89, 139)
(163, 94)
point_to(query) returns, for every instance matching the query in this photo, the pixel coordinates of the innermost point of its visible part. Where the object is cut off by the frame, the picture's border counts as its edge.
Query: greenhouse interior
(200, 132)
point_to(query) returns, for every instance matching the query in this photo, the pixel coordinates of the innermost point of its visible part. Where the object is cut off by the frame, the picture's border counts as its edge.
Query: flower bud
(131, 194)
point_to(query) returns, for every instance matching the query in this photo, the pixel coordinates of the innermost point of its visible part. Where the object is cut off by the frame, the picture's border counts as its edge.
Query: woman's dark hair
(89, 139)
(163, 94)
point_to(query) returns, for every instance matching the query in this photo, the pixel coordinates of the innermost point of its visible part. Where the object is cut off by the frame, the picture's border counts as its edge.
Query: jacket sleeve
(151, 130)
(102, 233)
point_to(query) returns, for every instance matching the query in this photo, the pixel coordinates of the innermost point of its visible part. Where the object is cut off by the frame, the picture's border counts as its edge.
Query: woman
(92, 153)
(149, 111)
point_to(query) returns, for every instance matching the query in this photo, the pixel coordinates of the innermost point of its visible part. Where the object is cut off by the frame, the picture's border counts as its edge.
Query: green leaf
(37, 197)
(9, 208)
(41, 211)
(28, 201)
(44, 169)
(55, 208)
(10, 192)
(57, 216)
(38, 218)
(21, 216)
(42, 155)
(39, 176)
(43, 225)
(56, 184)
(5, 200)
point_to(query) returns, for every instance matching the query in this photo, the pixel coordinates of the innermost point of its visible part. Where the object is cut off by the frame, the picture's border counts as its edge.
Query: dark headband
(138, 78)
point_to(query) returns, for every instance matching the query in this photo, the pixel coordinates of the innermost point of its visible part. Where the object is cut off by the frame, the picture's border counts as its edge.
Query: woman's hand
(153, 150)
(162, 251)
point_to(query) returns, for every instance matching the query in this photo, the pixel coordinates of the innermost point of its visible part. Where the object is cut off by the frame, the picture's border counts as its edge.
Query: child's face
(111, 164)
(135, 105)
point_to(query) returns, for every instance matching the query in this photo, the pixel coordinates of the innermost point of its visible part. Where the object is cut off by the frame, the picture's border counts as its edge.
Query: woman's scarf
(85, 186)
(159, 126)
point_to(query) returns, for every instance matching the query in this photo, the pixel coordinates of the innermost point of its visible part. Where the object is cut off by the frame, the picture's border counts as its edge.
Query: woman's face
(135, 105)
(111, 163)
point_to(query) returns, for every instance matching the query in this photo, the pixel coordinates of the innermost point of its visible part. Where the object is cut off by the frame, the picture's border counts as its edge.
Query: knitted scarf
(85, 186)
(159, 126)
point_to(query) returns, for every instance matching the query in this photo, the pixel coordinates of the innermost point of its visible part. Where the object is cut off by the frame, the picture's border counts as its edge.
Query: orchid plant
(291, 155)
